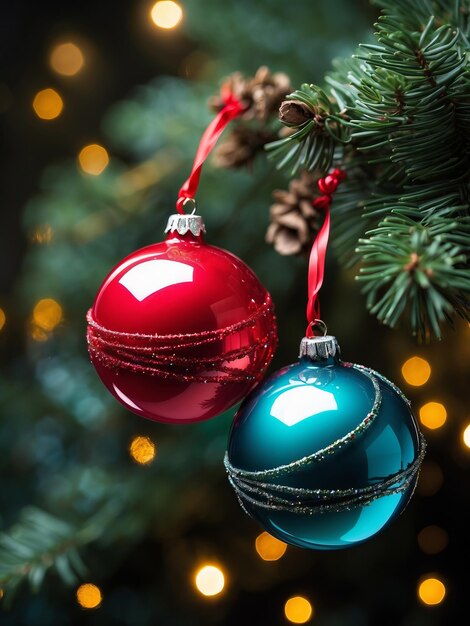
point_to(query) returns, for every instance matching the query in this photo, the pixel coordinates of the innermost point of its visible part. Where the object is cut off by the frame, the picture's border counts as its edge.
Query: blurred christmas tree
(77, 501)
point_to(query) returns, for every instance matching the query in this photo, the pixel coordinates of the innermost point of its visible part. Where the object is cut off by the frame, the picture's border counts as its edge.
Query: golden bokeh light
(431, 591)
(430, 480)
(269, 548)
(433, 539)
(209, 580)
(466, 436)
(142, 450)
(93, 159)
(1, 593)
(298, 610)
(3, 318)
(433, 415)
(67, 59)
(416, 371)
(48, 104)
(89, 596)
(42, 234)
(47, 313)
(166, 14)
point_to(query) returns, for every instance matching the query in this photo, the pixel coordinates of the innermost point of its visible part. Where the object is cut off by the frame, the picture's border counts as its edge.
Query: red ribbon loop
(316, 265)
(316, 272)
(232, 108)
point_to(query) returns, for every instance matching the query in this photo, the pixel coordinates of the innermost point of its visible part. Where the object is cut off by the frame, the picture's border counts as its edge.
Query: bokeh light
(93, 159)
(433, 539)
(166, 14)
(431, 479)
(298, 610)
(431, 591)
(269, 548)
(67, 59)
(48, 104)
(89, 596)
(3, 318)
(47, 313)
(209, 580)
(466, 436)
(416, 371)
(142, 450)
(433, 415)
(42, 234)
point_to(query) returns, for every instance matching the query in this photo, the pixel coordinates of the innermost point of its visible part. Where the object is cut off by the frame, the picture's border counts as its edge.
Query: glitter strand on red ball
(159, 354)
(316, 264)
(232, 108)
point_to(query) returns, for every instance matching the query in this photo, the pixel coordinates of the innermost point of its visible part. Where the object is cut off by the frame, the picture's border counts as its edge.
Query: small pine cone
(295, 113)
(289, 233)
(241, 146)
(294, 220)
(261, 95)
(268, 90)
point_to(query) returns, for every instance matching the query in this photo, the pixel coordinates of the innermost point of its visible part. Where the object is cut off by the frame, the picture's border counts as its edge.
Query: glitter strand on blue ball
(312, 501)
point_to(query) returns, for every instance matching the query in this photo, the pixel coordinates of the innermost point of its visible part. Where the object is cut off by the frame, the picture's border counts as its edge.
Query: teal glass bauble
(324, 454)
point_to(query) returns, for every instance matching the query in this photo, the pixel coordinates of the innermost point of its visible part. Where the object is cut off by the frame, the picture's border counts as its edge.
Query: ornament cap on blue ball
(324, 453)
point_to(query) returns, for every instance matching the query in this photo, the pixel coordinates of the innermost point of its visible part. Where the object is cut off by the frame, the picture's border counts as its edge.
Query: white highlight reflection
(149, 277)
(295, 405)
(125, 399)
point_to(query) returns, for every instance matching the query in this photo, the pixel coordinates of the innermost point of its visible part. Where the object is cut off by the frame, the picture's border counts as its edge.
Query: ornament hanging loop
(182, 202)
(317, 324)
(191, 201)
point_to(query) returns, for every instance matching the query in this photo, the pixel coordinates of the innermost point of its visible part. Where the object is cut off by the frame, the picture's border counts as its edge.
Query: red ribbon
(232, 108)
(316, 264)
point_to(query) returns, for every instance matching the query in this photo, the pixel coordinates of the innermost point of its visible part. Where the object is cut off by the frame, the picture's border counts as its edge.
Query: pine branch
(419, 266)
(396, 116)
(312, 144)
(39, 542)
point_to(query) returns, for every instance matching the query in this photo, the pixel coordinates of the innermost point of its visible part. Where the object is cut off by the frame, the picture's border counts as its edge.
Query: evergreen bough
(396, 117)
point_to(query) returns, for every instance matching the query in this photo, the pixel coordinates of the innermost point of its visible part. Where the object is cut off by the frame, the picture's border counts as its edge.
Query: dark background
(146, 579)
(123, 51)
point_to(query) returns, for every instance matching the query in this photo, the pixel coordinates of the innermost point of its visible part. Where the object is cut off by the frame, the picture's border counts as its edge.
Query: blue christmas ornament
(324, 454)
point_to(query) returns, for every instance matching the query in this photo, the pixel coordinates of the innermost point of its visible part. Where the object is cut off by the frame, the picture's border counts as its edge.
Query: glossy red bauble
(180, 330)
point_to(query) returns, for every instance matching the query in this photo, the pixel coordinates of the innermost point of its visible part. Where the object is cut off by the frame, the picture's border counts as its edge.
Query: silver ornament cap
(319, 348)
(182, 224)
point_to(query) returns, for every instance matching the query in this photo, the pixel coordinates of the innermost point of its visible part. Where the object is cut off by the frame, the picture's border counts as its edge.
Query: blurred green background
(144, 530)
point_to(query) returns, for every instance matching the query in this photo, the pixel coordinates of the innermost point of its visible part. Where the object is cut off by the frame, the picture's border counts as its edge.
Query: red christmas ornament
(180, 330)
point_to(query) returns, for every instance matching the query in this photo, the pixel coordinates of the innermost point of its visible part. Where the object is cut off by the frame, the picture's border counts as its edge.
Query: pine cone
(241, 146)
(294, 220)
(261, 95)
(268, 90)
(295, 113)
